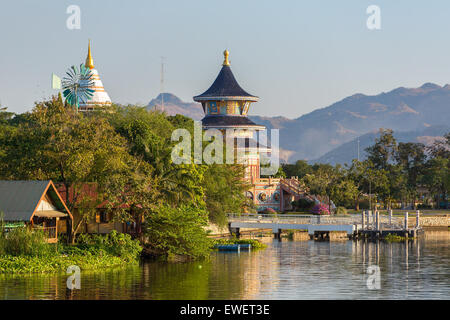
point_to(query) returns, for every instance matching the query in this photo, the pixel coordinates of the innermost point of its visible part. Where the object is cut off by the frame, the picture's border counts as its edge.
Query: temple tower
(100, 96)
(226, 106)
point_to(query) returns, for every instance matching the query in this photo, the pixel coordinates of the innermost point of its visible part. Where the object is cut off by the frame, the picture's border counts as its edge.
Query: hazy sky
(295, 55)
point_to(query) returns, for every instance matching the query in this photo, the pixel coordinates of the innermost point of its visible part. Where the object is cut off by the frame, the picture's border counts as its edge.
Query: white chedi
(99, 97)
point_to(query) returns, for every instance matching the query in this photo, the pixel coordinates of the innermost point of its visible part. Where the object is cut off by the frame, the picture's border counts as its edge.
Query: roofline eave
(202, 98)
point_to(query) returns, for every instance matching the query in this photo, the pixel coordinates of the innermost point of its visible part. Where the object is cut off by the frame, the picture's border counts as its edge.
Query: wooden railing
(49, 232)
(354, 219)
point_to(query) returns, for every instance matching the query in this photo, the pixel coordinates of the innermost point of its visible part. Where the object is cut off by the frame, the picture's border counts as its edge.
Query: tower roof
(225, 87)
(221, 121)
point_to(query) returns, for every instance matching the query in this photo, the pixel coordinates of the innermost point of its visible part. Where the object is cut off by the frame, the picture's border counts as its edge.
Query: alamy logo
(374, 278)
(74, 20)
(240, 146)
(74, 280)
(374, 20)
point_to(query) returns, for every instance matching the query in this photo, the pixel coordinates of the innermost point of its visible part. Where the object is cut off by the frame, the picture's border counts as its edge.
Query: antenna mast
(358, 148)
(162, 84)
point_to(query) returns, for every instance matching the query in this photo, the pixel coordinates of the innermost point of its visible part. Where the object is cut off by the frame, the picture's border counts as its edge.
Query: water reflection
(285, 270)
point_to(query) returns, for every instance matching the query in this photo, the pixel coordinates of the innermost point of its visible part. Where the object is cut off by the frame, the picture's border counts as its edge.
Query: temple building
(100, 97)
(226, 106)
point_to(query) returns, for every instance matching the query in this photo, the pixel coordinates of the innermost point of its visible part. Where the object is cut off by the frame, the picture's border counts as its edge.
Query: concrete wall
(436, 221)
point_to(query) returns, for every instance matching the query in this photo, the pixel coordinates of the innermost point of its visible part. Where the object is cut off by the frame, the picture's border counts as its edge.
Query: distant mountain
(173, 105)
(314, 134)
(348, 151)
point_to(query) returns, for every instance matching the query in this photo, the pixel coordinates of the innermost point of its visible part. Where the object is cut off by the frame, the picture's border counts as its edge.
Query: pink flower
(320, 209)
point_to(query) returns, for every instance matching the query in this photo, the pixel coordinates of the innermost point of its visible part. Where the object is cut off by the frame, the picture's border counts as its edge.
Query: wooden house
(36, 204)
(102, 221)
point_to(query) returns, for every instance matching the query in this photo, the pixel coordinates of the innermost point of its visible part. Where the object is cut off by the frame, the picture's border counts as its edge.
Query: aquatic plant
(256, 244)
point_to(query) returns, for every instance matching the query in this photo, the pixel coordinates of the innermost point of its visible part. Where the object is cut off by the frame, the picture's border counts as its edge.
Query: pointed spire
(225, 60)
(89, 61)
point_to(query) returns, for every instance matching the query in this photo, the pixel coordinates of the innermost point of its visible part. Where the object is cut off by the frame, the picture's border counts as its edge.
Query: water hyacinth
(320, 209)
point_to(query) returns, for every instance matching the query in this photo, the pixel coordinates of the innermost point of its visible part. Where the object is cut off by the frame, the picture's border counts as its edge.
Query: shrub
(341, 210)
(304, 203)
(116, 244)
(320, 209)
(23, 241)
(173, 232)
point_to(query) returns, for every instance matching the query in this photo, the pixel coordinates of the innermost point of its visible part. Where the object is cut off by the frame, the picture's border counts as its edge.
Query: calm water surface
(285, 270)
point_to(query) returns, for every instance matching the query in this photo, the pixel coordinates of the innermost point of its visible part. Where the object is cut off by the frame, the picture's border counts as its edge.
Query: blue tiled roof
(225, 120)
(225, 85)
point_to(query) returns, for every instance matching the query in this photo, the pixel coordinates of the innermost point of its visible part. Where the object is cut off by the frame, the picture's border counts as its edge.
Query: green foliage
(299, 169)
(381, 154)
(225, 191)
(394, 238)
(341, 210)
(256, 244)
(26, 251)
(178, 231)
(116, 244)
(22, 241)
(86, 260)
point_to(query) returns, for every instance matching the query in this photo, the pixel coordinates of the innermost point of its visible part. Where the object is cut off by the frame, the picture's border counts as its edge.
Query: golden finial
(89, 61)
(225, 61)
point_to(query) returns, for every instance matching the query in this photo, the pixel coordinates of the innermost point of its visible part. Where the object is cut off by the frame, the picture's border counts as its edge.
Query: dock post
(390, 217)
(374, 222)
(406, 220)
(417, 218)
(377, 216)
(363, 219)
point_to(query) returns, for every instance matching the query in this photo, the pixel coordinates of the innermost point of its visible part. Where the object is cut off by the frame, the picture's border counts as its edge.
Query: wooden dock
(366, 225)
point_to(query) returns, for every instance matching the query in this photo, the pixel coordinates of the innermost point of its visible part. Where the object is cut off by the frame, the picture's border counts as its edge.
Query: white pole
(406, 220)
(363, 216)
(374, 220)
(417, 218)
(390, 216)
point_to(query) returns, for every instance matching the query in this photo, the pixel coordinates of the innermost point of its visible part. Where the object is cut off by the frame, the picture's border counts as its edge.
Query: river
(284, 270)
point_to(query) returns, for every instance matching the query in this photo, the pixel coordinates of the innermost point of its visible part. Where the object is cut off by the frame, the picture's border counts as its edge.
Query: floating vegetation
(394, 238)
(256, 244)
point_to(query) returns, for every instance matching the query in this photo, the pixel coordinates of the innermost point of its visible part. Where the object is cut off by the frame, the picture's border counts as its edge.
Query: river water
(284, 270)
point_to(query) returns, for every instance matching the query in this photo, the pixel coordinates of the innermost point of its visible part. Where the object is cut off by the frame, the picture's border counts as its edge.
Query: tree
(225, 188)
(54, 142)
(344, 192)
(437, 179)
(299, 169)
(381, 154)
(173, 232)
(149, 136)
(135, 194)
(441, 147)
(410, 158)
(322, 181)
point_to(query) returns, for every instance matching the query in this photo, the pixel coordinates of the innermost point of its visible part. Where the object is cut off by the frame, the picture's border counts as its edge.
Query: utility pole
(162, 84)
(358, 149)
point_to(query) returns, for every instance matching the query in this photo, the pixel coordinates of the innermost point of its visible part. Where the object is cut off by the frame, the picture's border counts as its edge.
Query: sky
(297, 56)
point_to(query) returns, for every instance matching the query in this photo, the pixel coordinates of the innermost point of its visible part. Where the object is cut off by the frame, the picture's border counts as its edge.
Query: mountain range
(330, 134)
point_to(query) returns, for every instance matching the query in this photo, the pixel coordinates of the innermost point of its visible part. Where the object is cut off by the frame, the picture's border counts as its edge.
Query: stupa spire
(89, 61)
(226, 53)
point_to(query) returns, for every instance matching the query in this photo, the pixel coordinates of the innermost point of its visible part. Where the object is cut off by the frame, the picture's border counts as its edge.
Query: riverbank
(59, 263)
(24, 251)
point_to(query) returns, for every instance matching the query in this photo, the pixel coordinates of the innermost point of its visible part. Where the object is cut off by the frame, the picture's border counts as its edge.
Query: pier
(368, 224)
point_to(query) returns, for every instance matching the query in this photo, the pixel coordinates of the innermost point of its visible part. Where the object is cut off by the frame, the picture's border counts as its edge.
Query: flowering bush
(320, 209)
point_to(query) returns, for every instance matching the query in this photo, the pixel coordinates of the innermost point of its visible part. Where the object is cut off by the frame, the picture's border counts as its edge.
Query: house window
(104, 217)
